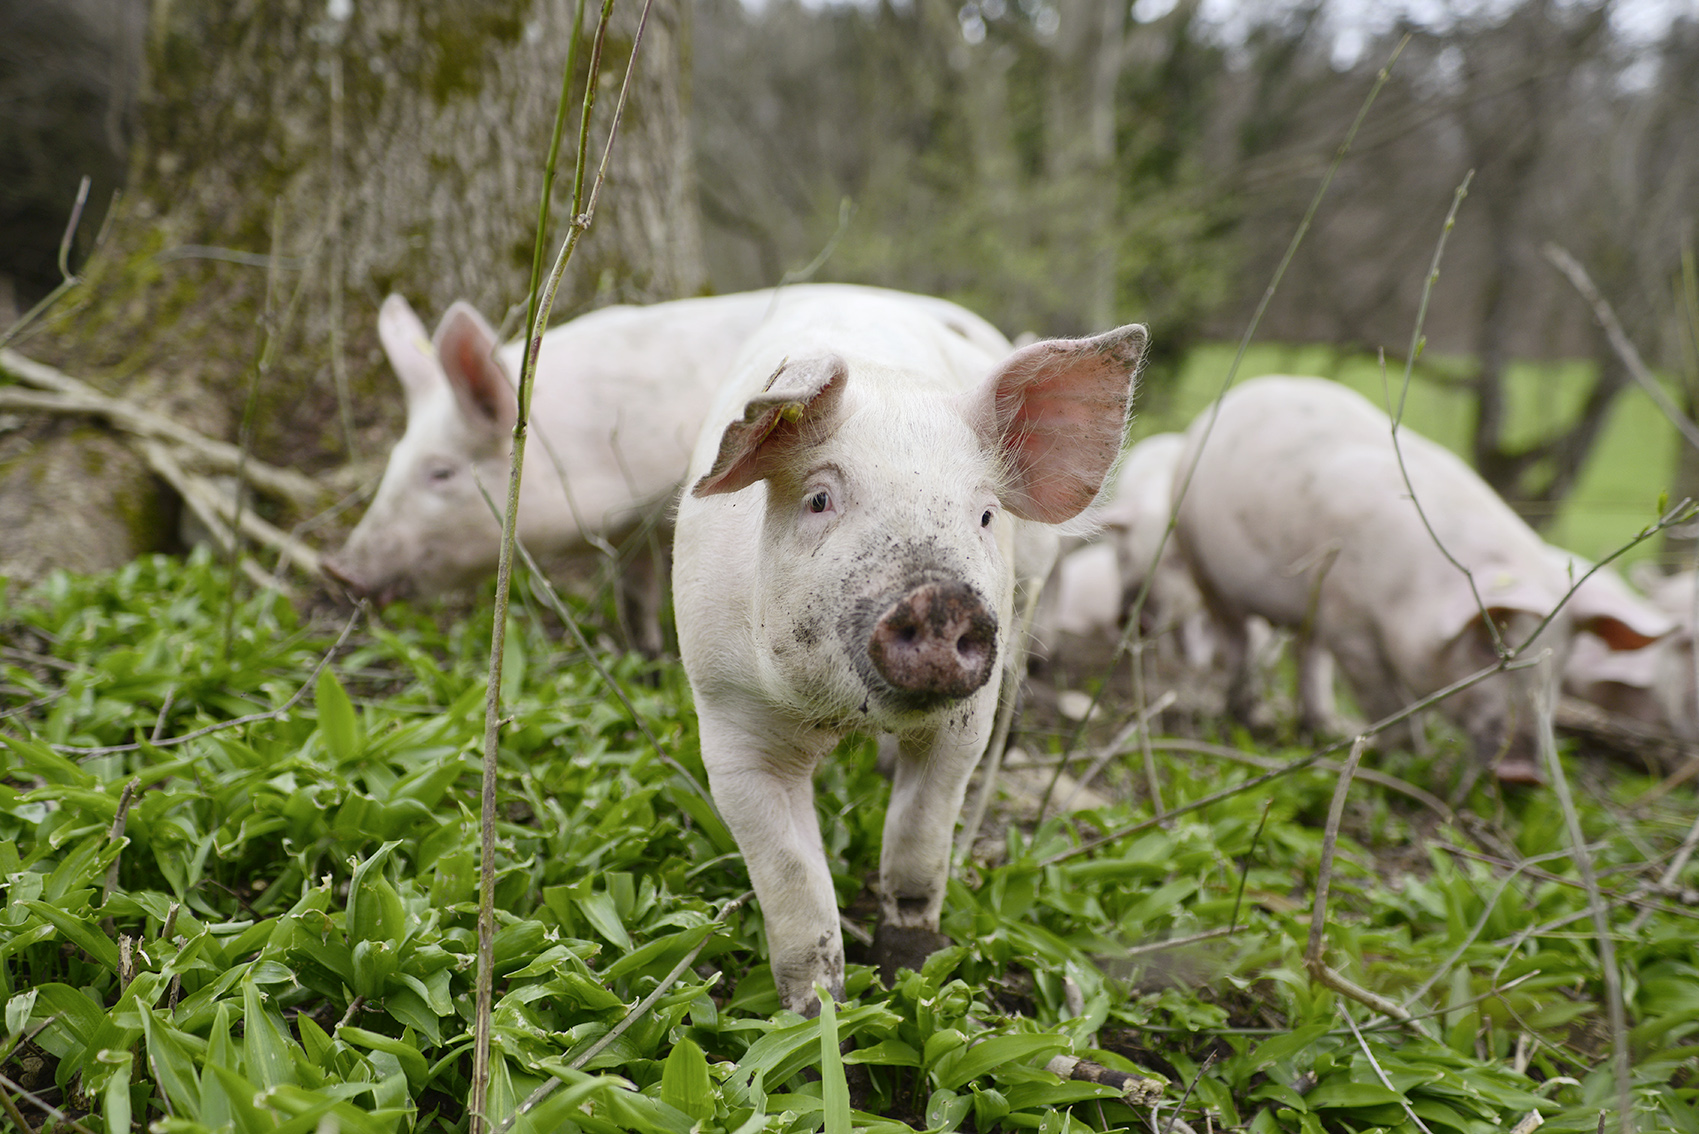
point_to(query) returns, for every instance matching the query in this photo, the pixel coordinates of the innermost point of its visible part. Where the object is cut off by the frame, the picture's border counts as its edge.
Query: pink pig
(1298, 513)
(846, 560)
(619, 396)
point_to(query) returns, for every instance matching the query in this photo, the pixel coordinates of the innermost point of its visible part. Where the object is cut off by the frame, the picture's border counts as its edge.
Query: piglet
(1298, 513)
(618, 399)
(846, 560)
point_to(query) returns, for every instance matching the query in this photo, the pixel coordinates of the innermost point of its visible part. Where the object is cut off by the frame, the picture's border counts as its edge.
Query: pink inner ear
(466, 348)
(801, 399)
(1059, 408)
(1617, 634)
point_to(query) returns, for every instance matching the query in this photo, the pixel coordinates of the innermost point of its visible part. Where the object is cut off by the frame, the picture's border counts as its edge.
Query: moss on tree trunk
(290, 169)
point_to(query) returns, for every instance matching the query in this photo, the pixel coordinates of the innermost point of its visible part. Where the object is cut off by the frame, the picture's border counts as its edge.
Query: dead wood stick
(215, 507)
(76, 396)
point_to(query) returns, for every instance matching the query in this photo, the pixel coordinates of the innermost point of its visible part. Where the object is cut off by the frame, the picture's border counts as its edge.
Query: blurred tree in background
(290, 164)
(1057, 165)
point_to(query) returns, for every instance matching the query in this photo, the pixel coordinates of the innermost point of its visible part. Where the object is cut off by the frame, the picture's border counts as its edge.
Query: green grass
(1615, 497)
(289, 929)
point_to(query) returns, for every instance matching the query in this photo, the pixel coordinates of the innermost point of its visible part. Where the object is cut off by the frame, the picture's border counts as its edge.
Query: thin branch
(1417, 341)
(79, 397)
(1214, 410)
(1367, 775)
(619, 1029)
(1285, 769)
(1380, 1074)
(1637, 369)
(485, 975)
(1010, 692)
(254, 718)
(1616, 1012)
(1138, 727)
(67, 281)
(47, 1107)
(216, 509)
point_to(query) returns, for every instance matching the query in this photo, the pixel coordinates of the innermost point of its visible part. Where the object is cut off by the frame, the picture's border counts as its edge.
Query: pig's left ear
(1604, 607)
(466, 347)
(1057, 410)
(798, 406)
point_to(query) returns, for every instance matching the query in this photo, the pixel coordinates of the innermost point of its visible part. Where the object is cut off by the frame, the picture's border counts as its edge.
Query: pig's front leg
(762, 781)
(914, 865)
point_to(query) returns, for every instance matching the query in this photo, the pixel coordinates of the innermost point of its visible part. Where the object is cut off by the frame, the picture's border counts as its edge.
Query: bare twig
(36, 1100)
(1380, 1074)
(538, 318)
(1329, 839)
(1285, 769)
(217, 509)
(1671, 872)
(1010, 692)
(637, 1013)
(1637, 369)
(1314, 961)
(117, 832)
(1214, 410)
(1368, 775)
(67, 281)
(1138, 727)
(1616, 1012)
(78, 397)
(1396, 414)
(253, 718)
(552, 600)
(1208, 1061)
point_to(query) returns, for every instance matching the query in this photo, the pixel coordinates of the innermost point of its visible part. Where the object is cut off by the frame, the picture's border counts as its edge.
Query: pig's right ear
(466, 349)
(798, 407)
(1057, 412)
(409, 348)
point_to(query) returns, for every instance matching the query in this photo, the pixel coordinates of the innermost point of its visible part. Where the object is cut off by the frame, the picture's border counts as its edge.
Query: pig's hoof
(904, 947)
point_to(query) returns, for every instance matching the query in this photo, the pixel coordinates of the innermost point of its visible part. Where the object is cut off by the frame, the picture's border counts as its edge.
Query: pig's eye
(437, 474)
(820, 501)
(985, 518)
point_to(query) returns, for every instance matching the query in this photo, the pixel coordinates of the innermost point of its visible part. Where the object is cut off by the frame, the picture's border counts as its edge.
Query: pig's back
(1298, 470)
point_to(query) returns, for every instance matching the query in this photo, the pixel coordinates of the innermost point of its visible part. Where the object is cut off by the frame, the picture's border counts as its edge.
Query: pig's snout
(340, 572)
(937, 643)
(360, 588)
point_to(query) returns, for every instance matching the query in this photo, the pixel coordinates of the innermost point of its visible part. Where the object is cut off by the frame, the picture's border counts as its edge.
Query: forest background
(1062, 166)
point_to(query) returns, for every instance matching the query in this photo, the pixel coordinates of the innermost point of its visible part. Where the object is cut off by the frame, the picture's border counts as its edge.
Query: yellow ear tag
(1503, 581)
(424, 346)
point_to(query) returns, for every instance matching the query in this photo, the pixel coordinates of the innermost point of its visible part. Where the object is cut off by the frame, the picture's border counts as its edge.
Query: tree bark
(294, 162)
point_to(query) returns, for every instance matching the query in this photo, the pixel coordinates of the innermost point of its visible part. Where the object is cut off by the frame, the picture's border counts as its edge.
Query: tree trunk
(294, 162)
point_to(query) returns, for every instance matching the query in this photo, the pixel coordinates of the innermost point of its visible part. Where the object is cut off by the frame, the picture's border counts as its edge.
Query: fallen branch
(1368, 775)
(216, 507)
(78, 397)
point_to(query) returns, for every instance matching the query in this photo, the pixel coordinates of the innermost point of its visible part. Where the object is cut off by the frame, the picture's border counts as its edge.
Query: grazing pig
(1137, 519)
(1095, 584)
(1298, 513)
(846, 560)
(619, 396)
(1654, 685)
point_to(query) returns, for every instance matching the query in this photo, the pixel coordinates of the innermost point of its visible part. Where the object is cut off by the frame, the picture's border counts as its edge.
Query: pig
(864, 494)
(1096, 583)
(618, 398)
(1137, 520)
(1654, 685)
(1298, 513)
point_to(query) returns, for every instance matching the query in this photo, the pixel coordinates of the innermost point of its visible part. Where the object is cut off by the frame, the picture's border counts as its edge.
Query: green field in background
(1616, 496)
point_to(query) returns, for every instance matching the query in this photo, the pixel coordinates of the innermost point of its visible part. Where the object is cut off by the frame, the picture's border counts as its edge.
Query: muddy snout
(937, 643)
